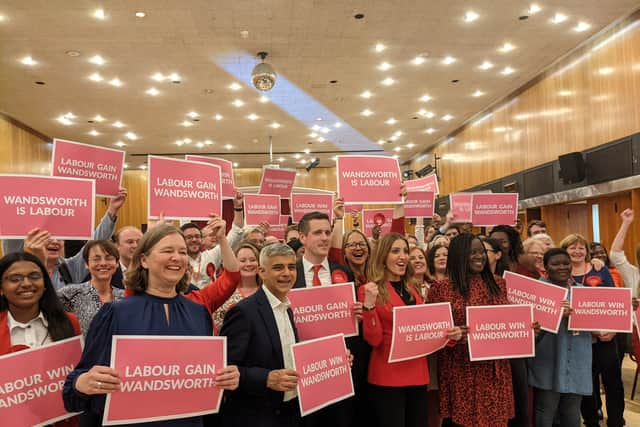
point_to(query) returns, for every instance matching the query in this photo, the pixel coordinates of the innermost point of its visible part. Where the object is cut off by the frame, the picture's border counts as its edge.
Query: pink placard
(277, 181)
(426, 183)
(460, 206)
(284, 219)
(76, 160)
(324, 310)
(545, 298)
(164, 385)
(419, 330)
(261, 208)
(182, 189)
(419, 204)
(31, 383)
(226, 169)
(325, 375)
(500, 332)
(369, 179)
(489, 209)
(601, 309)
(277, 230)
(372, 217)
(303, 203)
(62, 206)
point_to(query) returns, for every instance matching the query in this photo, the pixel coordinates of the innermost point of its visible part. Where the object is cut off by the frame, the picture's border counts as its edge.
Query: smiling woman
(156, 275)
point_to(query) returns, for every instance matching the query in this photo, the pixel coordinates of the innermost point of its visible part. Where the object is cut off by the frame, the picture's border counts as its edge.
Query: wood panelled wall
(589, 99)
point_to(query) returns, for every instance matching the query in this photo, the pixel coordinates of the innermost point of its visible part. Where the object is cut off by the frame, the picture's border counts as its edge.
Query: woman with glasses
(86, 299)
(30, 314)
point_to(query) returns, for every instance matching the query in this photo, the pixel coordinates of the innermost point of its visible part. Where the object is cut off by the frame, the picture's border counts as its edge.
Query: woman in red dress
(477, 394)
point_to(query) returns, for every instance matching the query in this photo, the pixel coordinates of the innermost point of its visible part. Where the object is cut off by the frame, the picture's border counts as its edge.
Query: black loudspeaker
(571, 168)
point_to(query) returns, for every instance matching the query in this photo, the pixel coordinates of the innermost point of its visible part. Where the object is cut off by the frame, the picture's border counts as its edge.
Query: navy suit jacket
(300, 278)
(253, 343)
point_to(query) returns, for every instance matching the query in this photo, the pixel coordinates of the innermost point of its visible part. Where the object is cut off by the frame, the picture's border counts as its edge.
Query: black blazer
(300, 279)
(117, 280)
(253, 343)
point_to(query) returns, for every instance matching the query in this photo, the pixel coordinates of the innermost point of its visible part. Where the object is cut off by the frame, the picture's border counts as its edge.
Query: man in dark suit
(260, 332)
(314, 269)
(126, 240)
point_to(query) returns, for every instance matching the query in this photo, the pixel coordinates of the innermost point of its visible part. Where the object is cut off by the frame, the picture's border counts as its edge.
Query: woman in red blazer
(399, 389)
(27, 299)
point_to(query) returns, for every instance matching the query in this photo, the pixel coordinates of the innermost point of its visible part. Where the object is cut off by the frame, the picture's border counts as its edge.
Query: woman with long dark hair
(478, 393)
(30, 314)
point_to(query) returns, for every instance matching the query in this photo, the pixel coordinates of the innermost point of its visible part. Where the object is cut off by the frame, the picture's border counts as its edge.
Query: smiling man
(260, 332)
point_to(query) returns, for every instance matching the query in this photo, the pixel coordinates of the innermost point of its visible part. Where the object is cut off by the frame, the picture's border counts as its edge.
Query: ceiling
(211, 44)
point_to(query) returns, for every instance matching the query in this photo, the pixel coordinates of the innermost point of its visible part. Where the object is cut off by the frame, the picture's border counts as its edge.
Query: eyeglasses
(18, 278)
(193, 237)
(354, 245)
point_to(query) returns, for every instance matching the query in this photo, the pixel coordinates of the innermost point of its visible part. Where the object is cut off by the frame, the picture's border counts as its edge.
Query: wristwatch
(365, 308)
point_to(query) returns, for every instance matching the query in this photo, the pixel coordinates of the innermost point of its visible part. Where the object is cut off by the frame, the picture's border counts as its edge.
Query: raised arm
(618, 241)
(338, 215)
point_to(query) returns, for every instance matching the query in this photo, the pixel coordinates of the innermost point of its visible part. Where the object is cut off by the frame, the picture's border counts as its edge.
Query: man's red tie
(316, 277)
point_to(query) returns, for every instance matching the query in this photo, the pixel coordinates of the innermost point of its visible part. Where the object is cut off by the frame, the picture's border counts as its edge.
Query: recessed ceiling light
(235, 164)
(96, 77)
(238, 103)
(174, 77)
(486, 65)
(313, 135)
(315, 127)
(381, 142)
(388, 81)
(320, 139)
(477, 93)
(263, 99)
(218, 117)
(193, 114)
(186, 123)
(318, 119)
(605, 71)
(179, 143)
(558, 18)
(307, 151)
(384, 66)
(94, 132)
(140, 14)
(98, 118)
(507, 47)
(448, 60)
(64, 120)
(200, 145)
(425, 98)
(115, 82)
(418, 60)
(582, 26)
(447, 117)
(281, 159)
(120, 144)
(398, 133)
(158, 77)
(337, 125)
(208, 142)
(132, 136)
(430, 131)
(396, 149)
(325, 130)
(275, 125)
(411, 145)
(427, 114)
(470, 16)
(143, 167)
(99, 14)
(187, 140)
(253, 116)
(118, 124)
(366, 94)
(152, 91)
(380, 47)
(533, 9)
(3, 18)
(366, 113)
(97, 59)
(228, 146)
(391, 121)
(73, 53)
(235, 86)
(297, 156)
(507, 70)
(28, 60)
(565, 93)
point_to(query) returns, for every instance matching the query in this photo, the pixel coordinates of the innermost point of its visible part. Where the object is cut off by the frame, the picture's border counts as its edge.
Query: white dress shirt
(324, 273)
(33, 334)
(285, 330)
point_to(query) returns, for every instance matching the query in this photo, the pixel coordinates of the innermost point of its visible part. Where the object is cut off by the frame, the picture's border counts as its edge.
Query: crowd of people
(233, 281)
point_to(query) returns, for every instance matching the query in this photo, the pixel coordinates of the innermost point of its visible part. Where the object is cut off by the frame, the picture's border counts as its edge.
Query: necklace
(586, 268)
